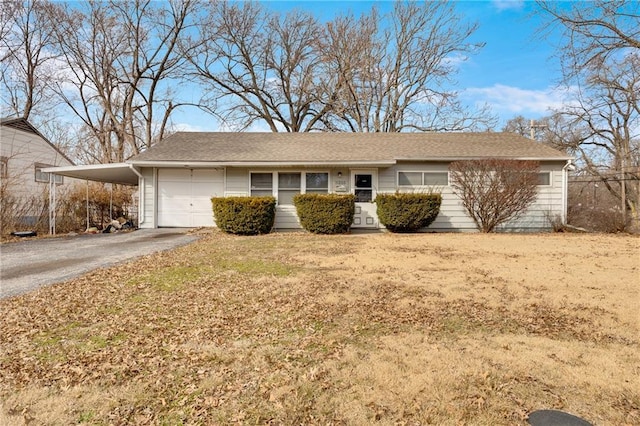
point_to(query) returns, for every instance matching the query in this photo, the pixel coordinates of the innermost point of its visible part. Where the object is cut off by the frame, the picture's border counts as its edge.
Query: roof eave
(208, 164)
(120, 173)
(448, 159)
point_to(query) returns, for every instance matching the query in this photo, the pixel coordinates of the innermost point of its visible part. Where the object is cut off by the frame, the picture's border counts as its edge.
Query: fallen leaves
(240, 330)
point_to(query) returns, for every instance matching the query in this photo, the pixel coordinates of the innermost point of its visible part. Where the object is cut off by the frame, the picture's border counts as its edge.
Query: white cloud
(514, 100)
(188, 127)
(508, 4)
(214, 125)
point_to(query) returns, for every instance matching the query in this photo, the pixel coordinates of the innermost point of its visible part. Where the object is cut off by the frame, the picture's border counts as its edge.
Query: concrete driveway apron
(28, 265)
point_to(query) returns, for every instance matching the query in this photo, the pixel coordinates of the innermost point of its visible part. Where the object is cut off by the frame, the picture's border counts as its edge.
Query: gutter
(446, 159)
(220, 164)
(141, 191)
(565, 189)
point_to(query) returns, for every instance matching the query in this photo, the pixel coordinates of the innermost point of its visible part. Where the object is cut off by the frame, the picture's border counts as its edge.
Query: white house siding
(547, 206)
(238, 184)
(148, 197)
(453, 217)
(22, 151)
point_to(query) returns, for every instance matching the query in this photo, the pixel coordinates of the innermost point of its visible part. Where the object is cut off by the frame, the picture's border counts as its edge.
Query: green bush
(325, 213)
(407, 212)
(244, 215)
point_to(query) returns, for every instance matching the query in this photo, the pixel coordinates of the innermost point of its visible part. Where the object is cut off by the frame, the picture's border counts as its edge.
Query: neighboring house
(24, 152)
(180, 174)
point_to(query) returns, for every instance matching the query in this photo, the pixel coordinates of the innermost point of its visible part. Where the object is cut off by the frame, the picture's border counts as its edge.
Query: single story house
(178, 176)
(24, 154)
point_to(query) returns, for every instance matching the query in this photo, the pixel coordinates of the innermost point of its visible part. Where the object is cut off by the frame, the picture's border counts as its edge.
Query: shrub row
(325, 213)
(244, 215)
(407, 212)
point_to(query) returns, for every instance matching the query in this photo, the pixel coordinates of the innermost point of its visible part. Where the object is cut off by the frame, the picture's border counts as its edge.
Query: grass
(304, 329)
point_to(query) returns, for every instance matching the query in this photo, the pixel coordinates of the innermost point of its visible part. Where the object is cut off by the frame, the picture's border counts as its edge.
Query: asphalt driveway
(28, 265)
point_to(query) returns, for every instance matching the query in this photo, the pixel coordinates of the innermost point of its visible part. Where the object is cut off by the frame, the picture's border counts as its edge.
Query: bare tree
(601, 64)
(593, 31)
(121, 57)
(553, 130)
(263, 65)
(396, 77)
(27, 56)
(608, 116)
(495, 191)
(350, 75)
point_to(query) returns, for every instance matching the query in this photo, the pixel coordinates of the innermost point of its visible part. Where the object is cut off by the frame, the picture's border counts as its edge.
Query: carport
(114, 173)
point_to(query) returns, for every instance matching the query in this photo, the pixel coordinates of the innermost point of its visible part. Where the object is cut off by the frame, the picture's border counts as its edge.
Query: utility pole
(533, 127)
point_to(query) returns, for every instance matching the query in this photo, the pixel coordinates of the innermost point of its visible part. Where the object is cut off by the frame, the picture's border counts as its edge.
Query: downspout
(565, 189)
(141, 194)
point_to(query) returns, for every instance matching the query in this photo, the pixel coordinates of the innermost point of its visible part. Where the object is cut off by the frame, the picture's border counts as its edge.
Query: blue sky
(515, 73)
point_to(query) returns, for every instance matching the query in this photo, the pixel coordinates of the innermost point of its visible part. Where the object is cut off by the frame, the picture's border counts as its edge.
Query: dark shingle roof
(342, 147)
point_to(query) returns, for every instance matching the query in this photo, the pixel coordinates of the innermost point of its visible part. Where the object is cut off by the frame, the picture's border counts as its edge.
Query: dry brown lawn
(294, 328)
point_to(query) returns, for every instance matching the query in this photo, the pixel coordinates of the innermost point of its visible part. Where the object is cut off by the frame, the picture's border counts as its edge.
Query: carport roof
(121, 173)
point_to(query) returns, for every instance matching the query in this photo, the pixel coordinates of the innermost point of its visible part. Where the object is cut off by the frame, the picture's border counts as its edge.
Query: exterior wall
(22, 151)
(452, 215)
(147, 195)
(238, 184)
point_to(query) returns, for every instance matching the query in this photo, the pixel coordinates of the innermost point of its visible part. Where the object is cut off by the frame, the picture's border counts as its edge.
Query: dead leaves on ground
(215, 333)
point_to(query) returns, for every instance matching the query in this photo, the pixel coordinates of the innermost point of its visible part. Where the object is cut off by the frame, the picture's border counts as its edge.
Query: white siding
(237, 182)
(22, 151)
(452, 215)
(149, 198)
(286, 218)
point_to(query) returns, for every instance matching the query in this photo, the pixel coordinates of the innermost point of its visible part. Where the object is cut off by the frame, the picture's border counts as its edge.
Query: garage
(184, 196)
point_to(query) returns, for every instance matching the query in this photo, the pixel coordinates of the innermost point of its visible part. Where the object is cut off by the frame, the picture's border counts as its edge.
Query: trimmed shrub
(244, 215)
(325, 213)
(401, 212)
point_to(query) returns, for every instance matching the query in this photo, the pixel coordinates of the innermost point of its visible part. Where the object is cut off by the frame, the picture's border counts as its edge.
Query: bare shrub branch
(495, 191)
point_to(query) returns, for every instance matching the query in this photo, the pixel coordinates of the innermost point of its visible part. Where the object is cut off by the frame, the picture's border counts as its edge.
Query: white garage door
(184, 196)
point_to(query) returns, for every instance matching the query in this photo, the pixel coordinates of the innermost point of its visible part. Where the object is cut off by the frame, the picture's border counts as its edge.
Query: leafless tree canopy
(265, 66)
(594, 31)
(120, 56)
(110, 73)
(600, 56)
(27, 56)
(373, 73)
(495, 191)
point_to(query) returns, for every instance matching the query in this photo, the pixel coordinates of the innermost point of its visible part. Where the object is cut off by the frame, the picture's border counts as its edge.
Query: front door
(364, 184)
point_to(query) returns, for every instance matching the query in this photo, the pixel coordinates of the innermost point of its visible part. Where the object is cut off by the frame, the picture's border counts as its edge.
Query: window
(544, 179)
(288, 186)
(4, 163)
(439, 178)
(363, 188)
(41, 176)
(423, 178)
(261, 184)
(317, 183)
(410, 178)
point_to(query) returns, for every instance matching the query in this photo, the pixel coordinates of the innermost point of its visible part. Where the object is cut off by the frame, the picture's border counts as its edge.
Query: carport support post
(87, 204)
(110, 201)
(52, 204)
